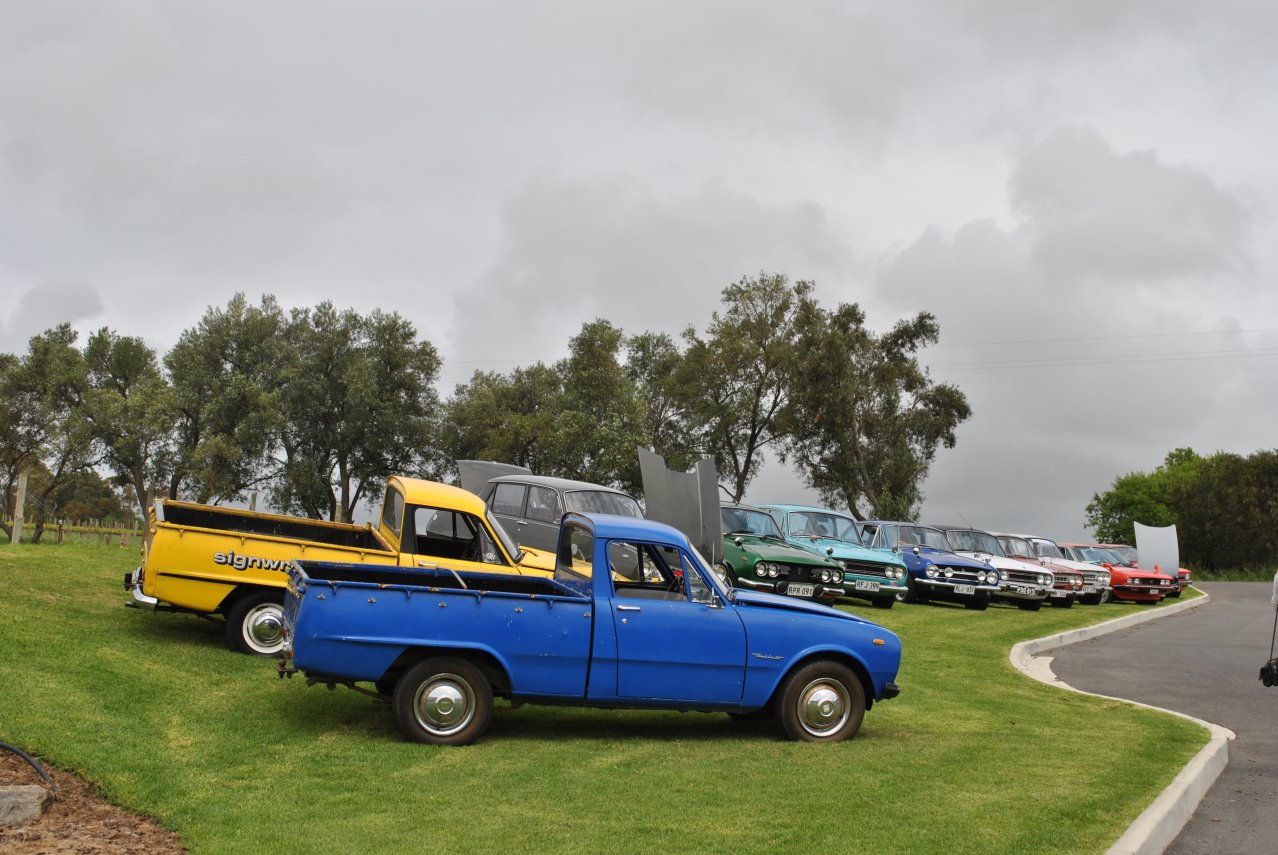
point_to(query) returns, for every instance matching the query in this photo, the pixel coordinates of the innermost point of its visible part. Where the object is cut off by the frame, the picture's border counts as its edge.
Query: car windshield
(968, 540)
(823, 524)
(1047, 549)
(748, 521)
(1096, 555)
(1127, 553)
(1017, 546)
(912, 535)
(602, 502)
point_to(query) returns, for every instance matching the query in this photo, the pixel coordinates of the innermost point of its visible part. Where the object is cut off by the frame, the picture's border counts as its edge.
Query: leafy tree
(43, 421)
(1140, 497)
(503, 417)
(653, 364)
(225, 374)
(864, 420)
(131, 409)
(80, 496)
(357, 402)
(735, 383)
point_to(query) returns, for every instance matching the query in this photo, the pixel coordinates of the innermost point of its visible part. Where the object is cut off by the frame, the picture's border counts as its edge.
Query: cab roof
(418, 491)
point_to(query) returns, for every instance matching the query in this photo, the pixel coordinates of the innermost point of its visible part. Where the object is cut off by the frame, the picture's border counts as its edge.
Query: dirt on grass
(79, 821)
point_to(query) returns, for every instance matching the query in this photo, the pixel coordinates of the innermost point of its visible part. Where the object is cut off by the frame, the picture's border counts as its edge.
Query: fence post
(19, 501)
(61, 532)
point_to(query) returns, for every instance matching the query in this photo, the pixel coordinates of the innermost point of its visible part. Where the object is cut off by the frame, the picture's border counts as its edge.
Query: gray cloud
(44, 307)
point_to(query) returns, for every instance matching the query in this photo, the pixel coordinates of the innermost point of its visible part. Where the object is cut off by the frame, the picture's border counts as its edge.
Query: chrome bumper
(884, 588)
(1039, 594)
(946, 583)
(138, 600)
(821, 590)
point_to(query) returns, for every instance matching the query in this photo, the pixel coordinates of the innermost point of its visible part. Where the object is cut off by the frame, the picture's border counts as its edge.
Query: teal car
(758, 557)
(869, 574)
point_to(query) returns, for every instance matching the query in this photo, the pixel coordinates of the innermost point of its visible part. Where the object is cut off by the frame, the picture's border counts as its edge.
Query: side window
(543, 504)
(779, 516)
(452, 534)
(508, 500)
(698, 590)
(651, 572)
(393, 510)
(573, 560)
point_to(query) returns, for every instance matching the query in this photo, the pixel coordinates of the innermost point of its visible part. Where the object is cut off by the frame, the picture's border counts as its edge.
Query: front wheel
(1063, 602)
(1031, 605)
(255, 624)
(883, 602)
(443, 702)
(977, 604)
(821, 702)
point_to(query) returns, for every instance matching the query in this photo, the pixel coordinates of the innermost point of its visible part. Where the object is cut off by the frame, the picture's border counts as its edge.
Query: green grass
(972, 757)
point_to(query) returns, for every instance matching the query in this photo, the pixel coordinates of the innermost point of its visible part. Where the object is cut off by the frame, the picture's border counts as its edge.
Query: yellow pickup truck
(209, 560)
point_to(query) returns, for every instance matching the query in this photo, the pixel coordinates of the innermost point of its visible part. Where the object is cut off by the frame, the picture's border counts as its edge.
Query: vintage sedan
(1024, 585)
(1096, 587)
(1128, 554)
(757, 556)
(1131, 584)
(868, 574)
(530, 507)
(1070, 584)
(936, 572)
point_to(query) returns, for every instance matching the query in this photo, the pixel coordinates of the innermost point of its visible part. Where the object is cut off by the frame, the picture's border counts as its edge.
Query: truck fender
(483, 658)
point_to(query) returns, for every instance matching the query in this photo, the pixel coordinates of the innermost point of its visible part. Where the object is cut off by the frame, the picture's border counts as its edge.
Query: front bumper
(949, 586)
(1027, 593)
(1142, 593)
(779, 587)
(873, 587)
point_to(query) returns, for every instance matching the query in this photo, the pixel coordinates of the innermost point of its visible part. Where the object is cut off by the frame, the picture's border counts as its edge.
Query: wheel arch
(842, 657)
(493, 669)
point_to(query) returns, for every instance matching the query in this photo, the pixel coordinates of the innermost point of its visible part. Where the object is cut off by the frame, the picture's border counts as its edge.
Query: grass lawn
(972, 757)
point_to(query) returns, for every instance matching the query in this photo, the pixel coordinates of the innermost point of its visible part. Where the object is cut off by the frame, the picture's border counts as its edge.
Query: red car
(1129, 583)
(1128, 554)
(1069, 583)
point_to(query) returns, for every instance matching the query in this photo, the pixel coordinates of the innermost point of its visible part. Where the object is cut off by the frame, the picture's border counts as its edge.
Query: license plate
(862, 585)
(965, 589)
(799, 590)
(1058, 594)
(1022, 589)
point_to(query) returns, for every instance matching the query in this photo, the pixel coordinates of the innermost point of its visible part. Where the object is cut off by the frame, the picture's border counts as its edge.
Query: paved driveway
(1203, 662)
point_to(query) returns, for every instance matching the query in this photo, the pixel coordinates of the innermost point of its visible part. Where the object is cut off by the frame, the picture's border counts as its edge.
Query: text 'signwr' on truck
(208, 560)
(633, 618)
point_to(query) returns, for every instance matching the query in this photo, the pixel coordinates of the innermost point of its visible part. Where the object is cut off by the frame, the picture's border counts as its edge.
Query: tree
(1141, 497)
(357, 402)
(131, 409)
(864, 420)
(735, 383)
(43, 422)
(653, 364)
(226, 384)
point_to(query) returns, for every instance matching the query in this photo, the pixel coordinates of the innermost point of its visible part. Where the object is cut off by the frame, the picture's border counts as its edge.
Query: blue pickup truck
(633, 617)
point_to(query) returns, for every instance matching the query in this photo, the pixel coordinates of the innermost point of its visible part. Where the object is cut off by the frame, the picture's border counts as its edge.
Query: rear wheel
(821, 702)
(443, 701)
(255, 624)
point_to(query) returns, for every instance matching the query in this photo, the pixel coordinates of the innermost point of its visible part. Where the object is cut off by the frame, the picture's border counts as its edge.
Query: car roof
(566, 485)
(774, 506)
(418, 491)
(941, 527)
(617, 527)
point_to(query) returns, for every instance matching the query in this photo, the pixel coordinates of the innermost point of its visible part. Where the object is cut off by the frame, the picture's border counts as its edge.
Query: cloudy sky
(1082, 191)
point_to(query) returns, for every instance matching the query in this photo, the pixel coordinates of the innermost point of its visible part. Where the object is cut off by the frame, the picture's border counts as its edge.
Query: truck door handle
(628, 608)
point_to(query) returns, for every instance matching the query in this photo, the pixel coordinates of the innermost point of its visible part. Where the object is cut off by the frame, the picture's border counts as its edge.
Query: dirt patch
(80, 821)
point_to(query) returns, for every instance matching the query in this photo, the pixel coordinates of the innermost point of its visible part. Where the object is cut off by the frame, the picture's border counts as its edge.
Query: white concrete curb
(1158, 824)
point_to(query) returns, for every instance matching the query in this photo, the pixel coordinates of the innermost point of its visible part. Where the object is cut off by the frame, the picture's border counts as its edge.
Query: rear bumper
(138, 600)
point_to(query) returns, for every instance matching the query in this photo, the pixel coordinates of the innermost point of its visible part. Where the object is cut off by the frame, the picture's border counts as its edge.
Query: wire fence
(103, 532)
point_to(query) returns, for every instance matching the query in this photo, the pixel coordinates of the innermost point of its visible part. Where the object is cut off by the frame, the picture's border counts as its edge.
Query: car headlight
(948, 572)
(932, 571)
(774, 570)
(980, 576)
(1044, 580)
(993, 577)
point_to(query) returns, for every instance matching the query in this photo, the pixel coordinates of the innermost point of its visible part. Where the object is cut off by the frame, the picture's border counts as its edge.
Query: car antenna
(965, 520)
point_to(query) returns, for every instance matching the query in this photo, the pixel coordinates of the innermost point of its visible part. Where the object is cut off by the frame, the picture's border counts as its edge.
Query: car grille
(1098, 578)
(865, 568)
(960, 574)
(1021, 577)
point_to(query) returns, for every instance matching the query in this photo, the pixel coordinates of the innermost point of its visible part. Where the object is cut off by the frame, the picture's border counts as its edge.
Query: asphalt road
(1205, 663)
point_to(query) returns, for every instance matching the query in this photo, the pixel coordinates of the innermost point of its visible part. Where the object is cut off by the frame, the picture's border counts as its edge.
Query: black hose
(34, 765)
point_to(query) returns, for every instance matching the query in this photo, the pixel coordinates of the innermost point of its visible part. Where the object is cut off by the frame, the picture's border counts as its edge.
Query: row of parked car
(819, 553)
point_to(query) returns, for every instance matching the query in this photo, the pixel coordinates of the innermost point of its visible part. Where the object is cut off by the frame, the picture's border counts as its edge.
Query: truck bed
(272, 525)
(332, 573)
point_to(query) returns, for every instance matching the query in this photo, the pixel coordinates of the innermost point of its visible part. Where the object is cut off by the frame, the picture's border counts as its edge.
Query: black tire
(1175, 594)
(255, 623)
(821, 702)
(883, 602)
(1030, 605)
(386, 685)
(1092, 599)
(1063, 602)
(977, 604)
(1107, 596)
(443, 701)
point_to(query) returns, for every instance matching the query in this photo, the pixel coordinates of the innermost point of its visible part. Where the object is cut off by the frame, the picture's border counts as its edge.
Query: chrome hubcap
(264, 627)
(444, 704)
(823, 707)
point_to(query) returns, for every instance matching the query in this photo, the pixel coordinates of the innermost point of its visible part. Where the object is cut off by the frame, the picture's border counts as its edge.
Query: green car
(757, 556)
(870, 574)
